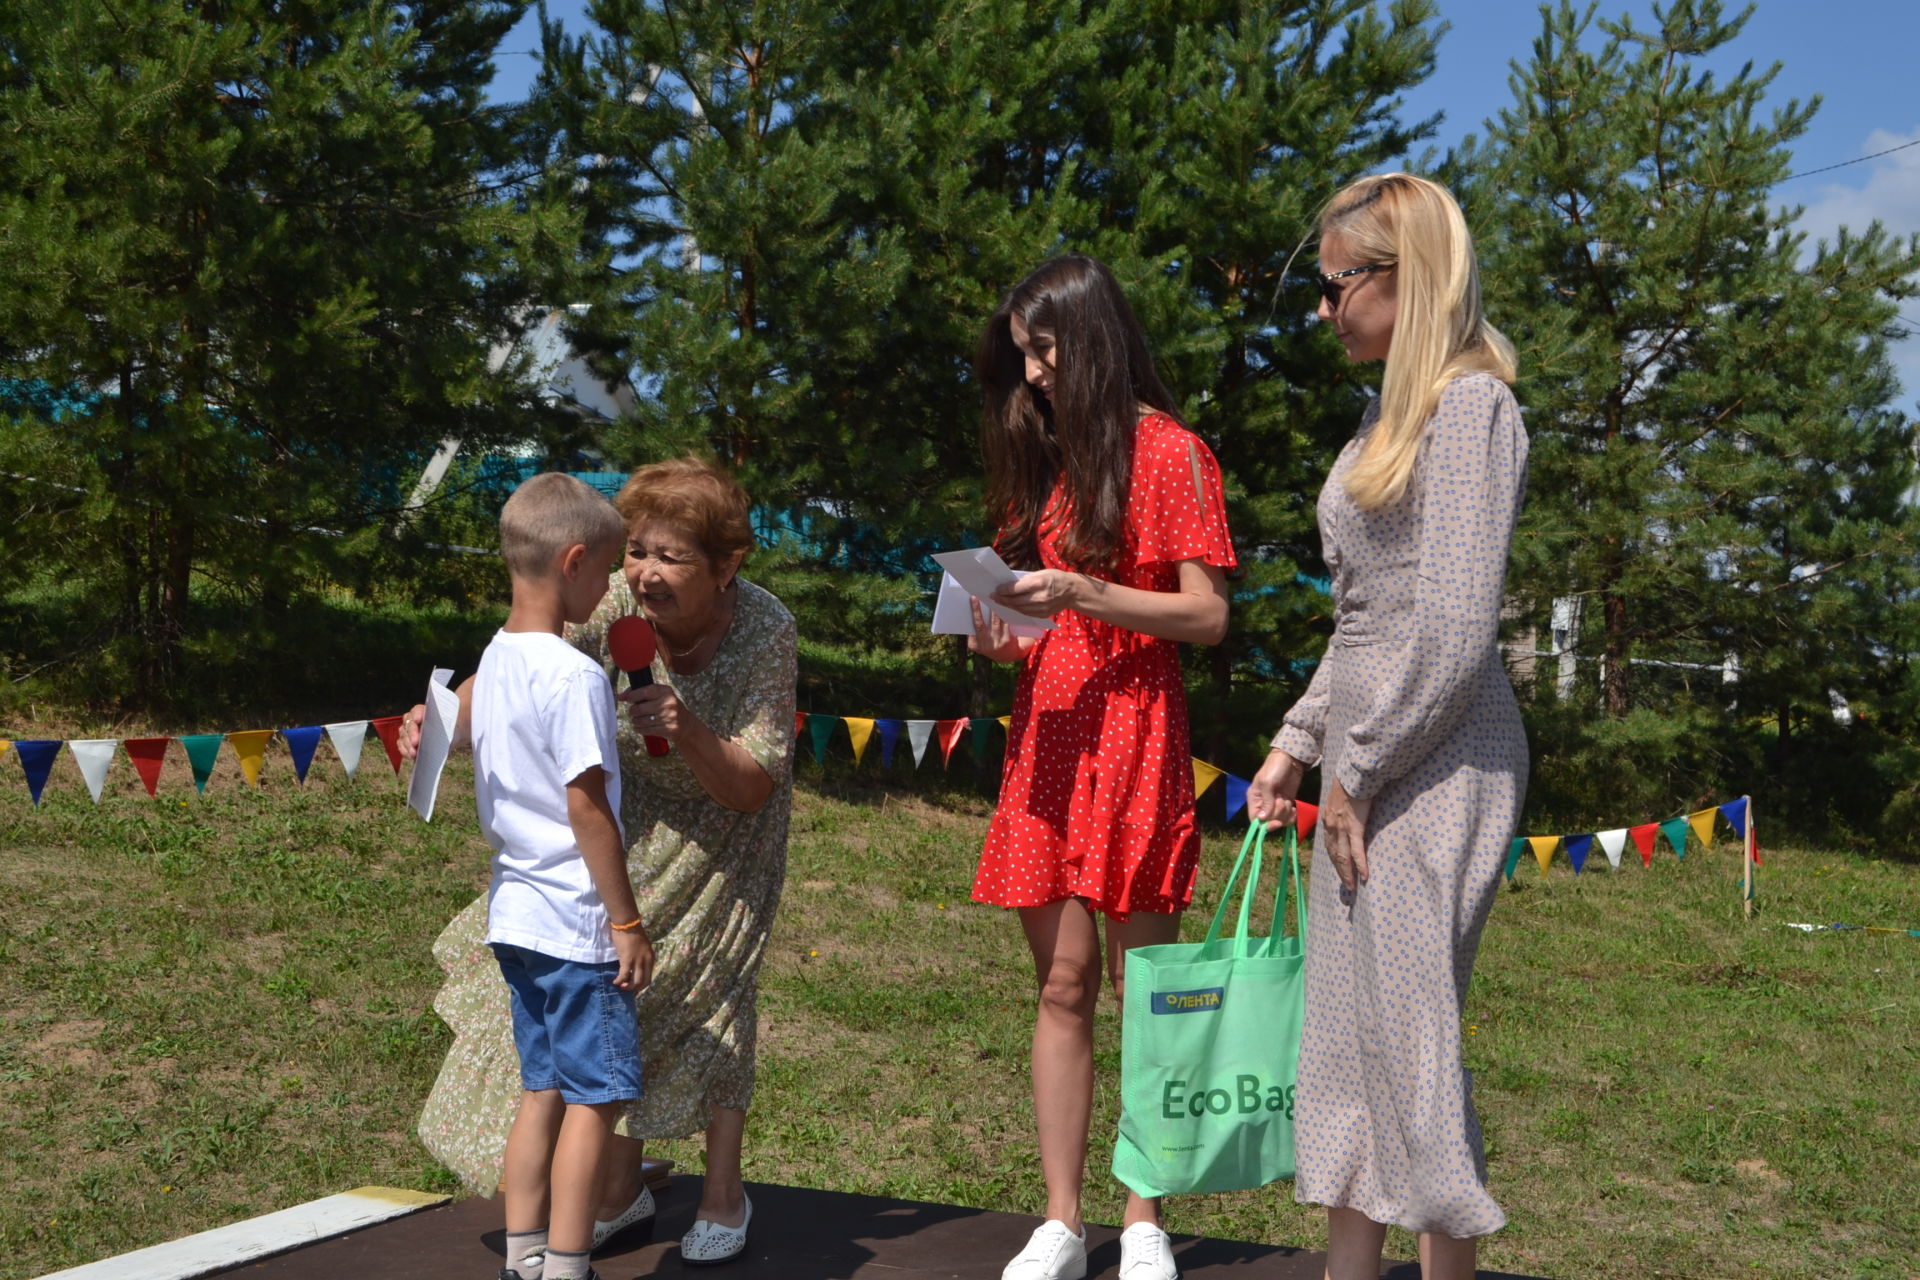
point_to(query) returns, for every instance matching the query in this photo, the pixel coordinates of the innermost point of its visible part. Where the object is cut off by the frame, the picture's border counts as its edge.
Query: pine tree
(1718, 472)
(862, 181)
(257, 253)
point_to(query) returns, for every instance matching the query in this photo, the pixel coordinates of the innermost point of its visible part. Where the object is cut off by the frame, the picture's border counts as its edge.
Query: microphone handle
(655, 746)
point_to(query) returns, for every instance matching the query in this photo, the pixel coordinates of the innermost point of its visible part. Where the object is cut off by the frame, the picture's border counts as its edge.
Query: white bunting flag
(347, 737)
(919, 732)
(1612, 842)
(93, 756)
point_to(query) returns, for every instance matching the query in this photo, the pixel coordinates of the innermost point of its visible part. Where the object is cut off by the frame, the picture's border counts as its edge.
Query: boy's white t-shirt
(543, 714)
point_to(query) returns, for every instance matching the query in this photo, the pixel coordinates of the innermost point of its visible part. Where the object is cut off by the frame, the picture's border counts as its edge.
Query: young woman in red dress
(1118, 512)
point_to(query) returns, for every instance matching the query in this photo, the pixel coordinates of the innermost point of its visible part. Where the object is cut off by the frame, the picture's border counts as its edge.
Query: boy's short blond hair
(549, 513)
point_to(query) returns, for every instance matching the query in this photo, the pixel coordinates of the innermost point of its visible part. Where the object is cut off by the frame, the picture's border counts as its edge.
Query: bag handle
(1255, 843)
(1299, 900)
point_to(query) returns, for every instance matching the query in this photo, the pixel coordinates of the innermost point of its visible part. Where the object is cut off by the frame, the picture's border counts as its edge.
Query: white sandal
(709, 1242)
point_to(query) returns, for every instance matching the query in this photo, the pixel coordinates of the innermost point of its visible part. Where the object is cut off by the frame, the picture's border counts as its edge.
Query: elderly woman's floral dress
(708, 882)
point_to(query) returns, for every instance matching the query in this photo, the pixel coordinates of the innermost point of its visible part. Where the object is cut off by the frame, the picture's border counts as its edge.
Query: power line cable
(1808, 173)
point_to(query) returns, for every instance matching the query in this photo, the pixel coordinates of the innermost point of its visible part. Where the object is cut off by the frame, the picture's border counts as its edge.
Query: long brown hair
(1082, 436)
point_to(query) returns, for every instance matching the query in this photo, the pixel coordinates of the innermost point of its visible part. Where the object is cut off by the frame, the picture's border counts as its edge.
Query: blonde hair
(549, 513)
(1439, 334)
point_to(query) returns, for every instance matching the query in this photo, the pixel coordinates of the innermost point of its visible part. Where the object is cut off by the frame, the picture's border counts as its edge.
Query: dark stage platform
(797, 1235)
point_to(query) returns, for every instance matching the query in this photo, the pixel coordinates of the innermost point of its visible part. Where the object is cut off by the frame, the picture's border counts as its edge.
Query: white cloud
(1888, 192)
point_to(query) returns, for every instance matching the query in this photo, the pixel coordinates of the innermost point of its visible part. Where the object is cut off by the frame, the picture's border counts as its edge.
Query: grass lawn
(218, 1006)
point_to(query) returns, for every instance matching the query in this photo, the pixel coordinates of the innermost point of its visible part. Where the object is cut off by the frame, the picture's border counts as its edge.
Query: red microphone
(630, 641)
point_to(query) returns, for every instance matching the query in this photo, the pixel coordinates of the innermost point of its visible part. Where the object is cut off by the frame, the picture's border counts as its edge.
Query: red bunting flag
(388, 727)
(1643, 840)
(949, 731)
(1304, 816)
(799, 723)
(147, 754)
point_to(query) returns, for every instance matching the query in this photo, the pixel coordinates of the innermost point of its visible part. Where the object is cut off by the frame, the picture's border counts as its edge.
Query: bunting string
(95, 756)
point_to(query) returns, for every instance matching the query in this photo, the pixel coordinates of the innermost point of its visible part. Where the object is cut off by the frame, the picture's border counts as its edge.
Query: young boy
(560, 911)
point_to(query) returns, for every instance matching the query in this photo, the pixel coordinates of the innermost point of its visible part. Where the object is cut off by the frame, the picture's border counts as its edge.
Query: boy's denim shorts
(575, 1030)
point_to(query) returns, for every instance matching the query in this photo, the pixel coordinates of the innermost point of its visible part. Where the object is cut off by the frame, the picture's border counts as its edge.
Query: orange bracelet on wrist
(628, 927)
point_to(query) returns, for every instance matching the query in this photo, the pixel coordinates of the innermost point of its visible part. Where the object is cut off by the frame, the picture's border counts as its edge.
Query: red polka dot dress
(1096, 799)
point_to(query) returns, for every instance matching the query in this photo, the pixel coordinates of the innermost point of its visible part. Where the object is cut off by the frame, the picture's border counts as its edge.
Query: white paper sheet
(436, 739)
(978, 572)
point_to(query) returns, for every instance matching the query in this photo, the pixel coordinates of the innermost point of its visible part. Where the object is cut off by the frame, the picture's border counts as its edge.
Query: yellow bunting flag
(1702, 824)
(1006, 724)
(859, 728)
(1543, 847)
(251, 746)
(5, 745)
(1204, 776)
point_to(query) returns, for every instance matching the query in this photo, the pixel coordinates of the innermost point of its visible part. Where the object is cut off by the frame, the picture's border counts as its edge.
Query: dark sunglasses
(1331, 291)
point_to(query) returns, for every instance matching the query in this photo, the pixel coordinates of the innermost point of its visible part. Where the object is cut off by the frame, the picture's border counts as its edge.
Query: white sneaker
(1052, 1253)
(1146, 1254)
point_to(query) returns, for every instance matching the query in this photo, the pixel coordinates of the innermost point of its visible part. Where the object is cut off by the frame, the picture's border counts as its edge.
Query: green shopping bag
(1209, 1048)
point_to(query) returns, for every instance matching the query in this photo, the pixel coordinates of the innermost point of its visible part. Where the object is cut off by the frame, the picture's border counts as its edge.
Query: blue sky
(1860, 57)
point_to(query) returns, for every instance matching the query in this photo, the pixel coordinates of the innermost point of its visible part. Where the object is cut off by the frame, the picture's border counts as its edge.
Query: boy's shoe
(1146, 1254)
(638, 1213)
(1052, 1253)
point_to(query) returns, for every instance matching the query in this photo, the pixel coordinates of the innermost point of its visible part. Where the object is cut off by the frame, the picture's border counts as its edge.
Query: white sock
(566, 1266)
(526, 1253)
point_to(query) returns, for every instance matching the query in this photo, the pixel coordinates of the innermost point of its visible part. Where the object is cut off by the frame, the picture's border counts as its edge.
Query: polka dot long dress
(1412, 707)
(1096, 799)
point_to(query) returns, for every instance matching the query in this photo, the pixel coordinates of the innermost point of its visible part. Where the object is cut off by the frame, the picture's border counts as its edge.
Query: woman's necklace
(716, 627)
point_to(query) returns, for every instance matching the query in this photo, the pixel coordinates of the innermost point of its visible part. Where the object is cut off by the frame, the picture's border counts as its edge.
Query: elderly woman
(706, 826)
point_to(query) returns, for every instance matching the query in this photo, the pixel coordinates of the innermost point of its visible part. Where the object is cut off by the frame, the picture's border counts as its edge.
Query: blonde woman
(1411, 718)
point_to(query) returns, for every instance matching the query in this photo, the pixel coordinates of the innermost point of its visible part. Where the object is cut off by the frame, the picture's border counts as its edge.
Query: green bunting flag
(202, 750)
(1675, 830)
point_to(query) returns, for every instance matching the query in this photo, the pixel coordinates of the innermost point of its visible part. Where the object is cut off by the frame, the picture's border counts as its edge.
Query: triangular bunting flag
(1675, 830)
(1643, 840)
(1304, 817)
(388, 727)
(347, 737)
(202, 750)
(1236, 795)
(147, 754)
(982, 738)
(1754, 826)
(1701, 824)
(1204, 776)
(1006, 724)
(301, 743)
(950, 731)
(36, 759)
(1543, 847)
(5, 743)
(1514, 851)
(821, 729)
(1611, 843)
(1577, 847)
(799, 723)
(889, 739)
(1735, 812)
(919, 733)
(251, 746)
(93, 755)
(859, 728)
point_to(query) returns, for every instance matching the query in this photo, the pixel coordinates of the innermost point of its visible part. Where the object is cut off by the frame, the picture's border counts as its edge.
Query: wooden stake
(1746, 849)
